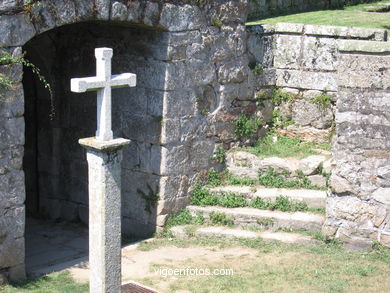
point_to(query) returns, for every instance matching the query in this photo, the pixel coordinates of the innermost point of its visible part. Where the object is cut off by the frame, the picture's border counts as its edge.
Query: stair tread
(221, 231)
(253, 212)
(260, 190)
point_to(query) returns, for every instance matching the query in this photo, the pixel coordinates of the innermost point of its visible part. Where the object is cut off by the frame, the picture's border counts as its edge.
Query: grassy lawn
(277, 267)
(258, 266)
(53, 283)
(349, 16)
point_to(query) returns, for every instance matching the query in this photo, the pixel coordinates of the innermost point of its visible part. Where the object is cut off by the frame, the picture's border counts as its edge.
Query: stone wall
(358, 209)
(268, 8)
(191, 65)
(302, 60)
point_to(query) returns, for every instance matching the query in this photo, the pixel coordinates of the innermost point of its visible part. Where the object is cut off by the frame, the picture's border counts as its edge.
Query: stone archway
(188, 67)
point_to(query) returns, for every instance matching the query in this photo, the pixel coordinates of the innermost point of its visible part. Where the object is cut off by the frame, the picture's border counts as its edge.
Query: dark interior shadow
(55, 165)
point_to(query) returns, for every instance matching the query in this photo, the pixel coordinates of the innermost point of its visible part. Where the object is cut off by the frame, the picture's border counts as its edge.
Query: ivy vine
(6, 84)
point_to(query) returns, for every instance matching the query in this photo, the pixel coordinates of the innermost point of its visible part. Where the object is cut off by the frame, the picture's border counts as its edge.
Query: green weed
(221, 219)
(247, 126)
(273, 145)
(220, 155)
(184, 217)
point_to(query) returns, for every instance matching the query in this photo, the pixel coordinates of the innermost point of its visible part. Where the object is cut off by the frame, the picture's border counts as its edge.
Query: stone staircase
(250, 222)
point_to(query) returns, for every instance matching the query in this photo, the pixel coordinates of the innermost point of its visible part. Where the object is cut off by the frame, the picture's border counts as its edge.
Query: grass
(349, 16)
(52, 283)
(203, 197)
(273, 145)
(266, 266)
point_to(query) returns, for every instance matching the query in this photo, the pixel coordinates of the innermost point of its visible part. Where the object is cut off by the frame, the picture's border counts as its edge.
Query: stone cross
(104, 156)
(102, 83)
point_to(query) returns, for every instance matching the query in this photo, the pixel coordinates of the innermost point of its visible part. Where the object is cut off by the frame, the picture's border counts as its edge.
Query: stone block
(179, 103)
(12, 104)
(151, 14)
(260, 49)
(173, 187)
(295, 28)
(65, 11)
(382, 195)
(13, 222)
(118, 11)
(307, 113)
(175, 159)
(15, 30)
(201, 152)
(235, 71)
(17, 273)
(170, 132)
(141, 128)
(339, 185)
(322, 81)
(287, 54)
(84, 10)
(9, 5)
(385, 239)
(172, 205)
(317, 180)
(181, 18)
(131, 156)
(134, 227)
(351, 209)
(319, 54)
(12, 189)
(102, 9)
(364, 71)
(14, 71)
(134, 12)
(11, 132)
(12, 252)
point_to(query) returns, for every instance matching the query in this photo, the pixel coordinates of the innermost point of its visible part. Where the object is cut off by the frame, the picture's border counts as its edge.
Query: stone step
(226, 232)
(246, 165)
(264, 219)
(313, 198)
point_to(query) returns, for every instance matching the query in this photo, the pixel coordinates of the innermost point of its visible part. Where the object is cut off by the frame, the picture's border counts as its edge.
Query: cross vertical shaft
(103, 72)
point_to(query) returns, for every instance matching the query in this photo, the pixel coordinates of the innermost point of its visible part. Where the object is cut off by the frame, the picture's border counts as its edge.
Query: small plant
(266, 222)
(257, 69)
(246, 126)
(259, 203)
(261, 97)
(221, 219)
(6, 84)
(323, 100)
(184, 217)
(231, 200)
(29, 5)
(151, 198)
(202, 197)
(281, 203)
(203, 112)
(217, 21)
(279, 120)
(274, 145)
(278, 96)
(271, 178)
(241, 181)
(213, 177)
(220, 155)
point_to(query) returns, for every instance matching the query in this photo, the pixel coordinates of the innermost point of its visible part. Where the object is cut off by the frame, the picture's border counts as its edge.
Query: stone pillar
(104, 168)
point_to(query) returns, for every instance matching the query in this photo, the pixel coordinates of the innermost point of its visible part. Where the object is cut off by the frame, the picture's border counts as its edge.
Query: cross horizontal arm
(123, 80)
(81, 85)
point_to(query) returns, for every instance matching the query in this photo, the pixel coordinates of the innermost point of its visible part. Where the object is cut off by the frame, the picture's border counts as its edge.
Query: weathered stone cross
(104, 156)
(102, 83)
